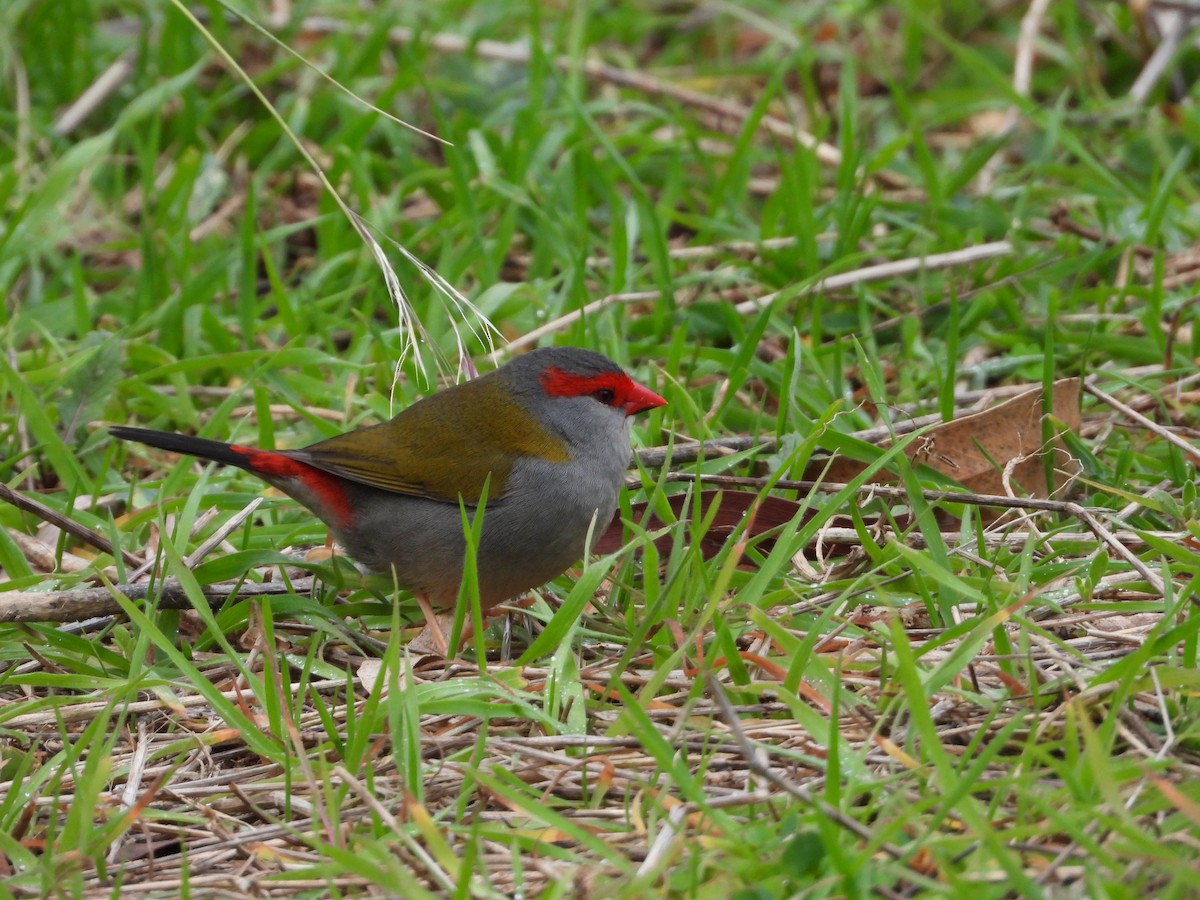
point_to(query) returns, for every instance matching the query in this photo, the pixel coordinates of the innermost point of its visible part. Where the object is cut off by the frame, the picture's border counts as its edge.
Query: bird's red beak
(639, 399)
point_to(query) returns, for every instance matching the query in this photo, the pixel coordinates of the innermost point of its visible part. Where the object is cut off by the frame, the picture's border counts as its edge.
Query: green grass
(931, 710)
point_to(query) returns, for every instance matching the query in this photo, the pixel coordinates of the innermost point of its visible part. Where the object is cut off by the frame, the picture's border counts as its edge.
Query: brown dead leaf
(984, 450)
(975, 450)
(997, 451)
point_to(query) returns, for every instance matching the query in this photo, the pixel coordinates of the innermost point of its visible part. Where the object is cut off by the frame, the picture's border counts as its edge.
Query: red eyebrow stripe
(558, 383)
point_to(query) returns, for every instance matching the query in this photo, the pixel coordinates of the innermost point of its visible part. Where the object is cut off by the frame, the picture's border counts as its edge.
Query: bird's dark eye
(605, 396)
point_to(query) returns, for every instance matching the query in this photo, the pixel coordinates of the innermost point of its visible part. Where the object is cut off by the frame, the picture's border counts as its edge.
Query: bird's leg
(431, 625)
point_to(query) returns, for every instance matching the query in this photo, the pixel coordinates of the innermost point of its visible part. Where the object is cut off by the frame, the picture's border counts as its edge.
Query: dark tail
(181, 443)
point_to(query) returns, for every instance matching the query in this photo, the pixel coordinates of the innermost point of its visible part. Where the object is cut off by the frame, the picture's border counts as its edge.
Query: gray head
(581, 395)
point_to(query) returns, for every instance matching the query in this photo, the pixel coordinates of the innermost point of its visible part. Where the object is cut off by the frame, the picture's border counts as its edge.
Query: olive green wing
(441, 448)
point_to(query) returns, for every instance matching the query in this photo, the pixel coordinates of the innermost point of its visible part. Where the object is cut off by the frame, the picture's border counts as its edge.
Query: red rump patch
(326, 487)
(615, 389)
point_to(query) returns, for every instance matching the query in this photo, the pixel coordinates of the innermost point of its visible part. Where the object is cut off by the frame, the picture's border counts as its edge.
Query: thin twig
(799, 791)
(893, 269)
(401, 833)
(84, 603)
(1031, 25)
(194, 558)
(85, 534)
(1149, 424)
(89, 709)
(1063, 507)
(564, 321)
(108, 83)
(1065, 541)
(1173, 24)
(728, 248)
(691, 451)
(521, 54)
(1060, 218)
